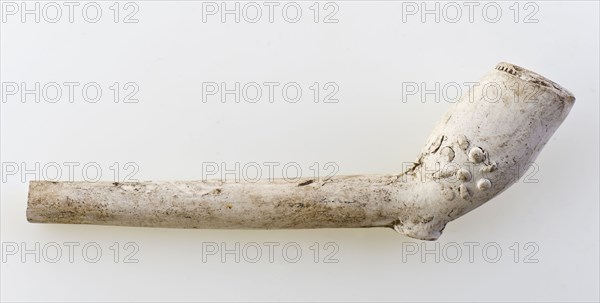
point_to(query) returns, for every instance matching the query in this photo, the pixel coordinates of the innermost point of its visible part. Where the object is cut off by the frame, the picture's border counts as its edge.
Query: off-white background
(369, 53)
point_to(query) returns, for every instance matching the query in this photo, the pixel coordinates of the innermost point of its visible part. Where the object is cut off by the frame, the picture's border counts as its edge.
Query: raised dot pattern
(475, 155)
